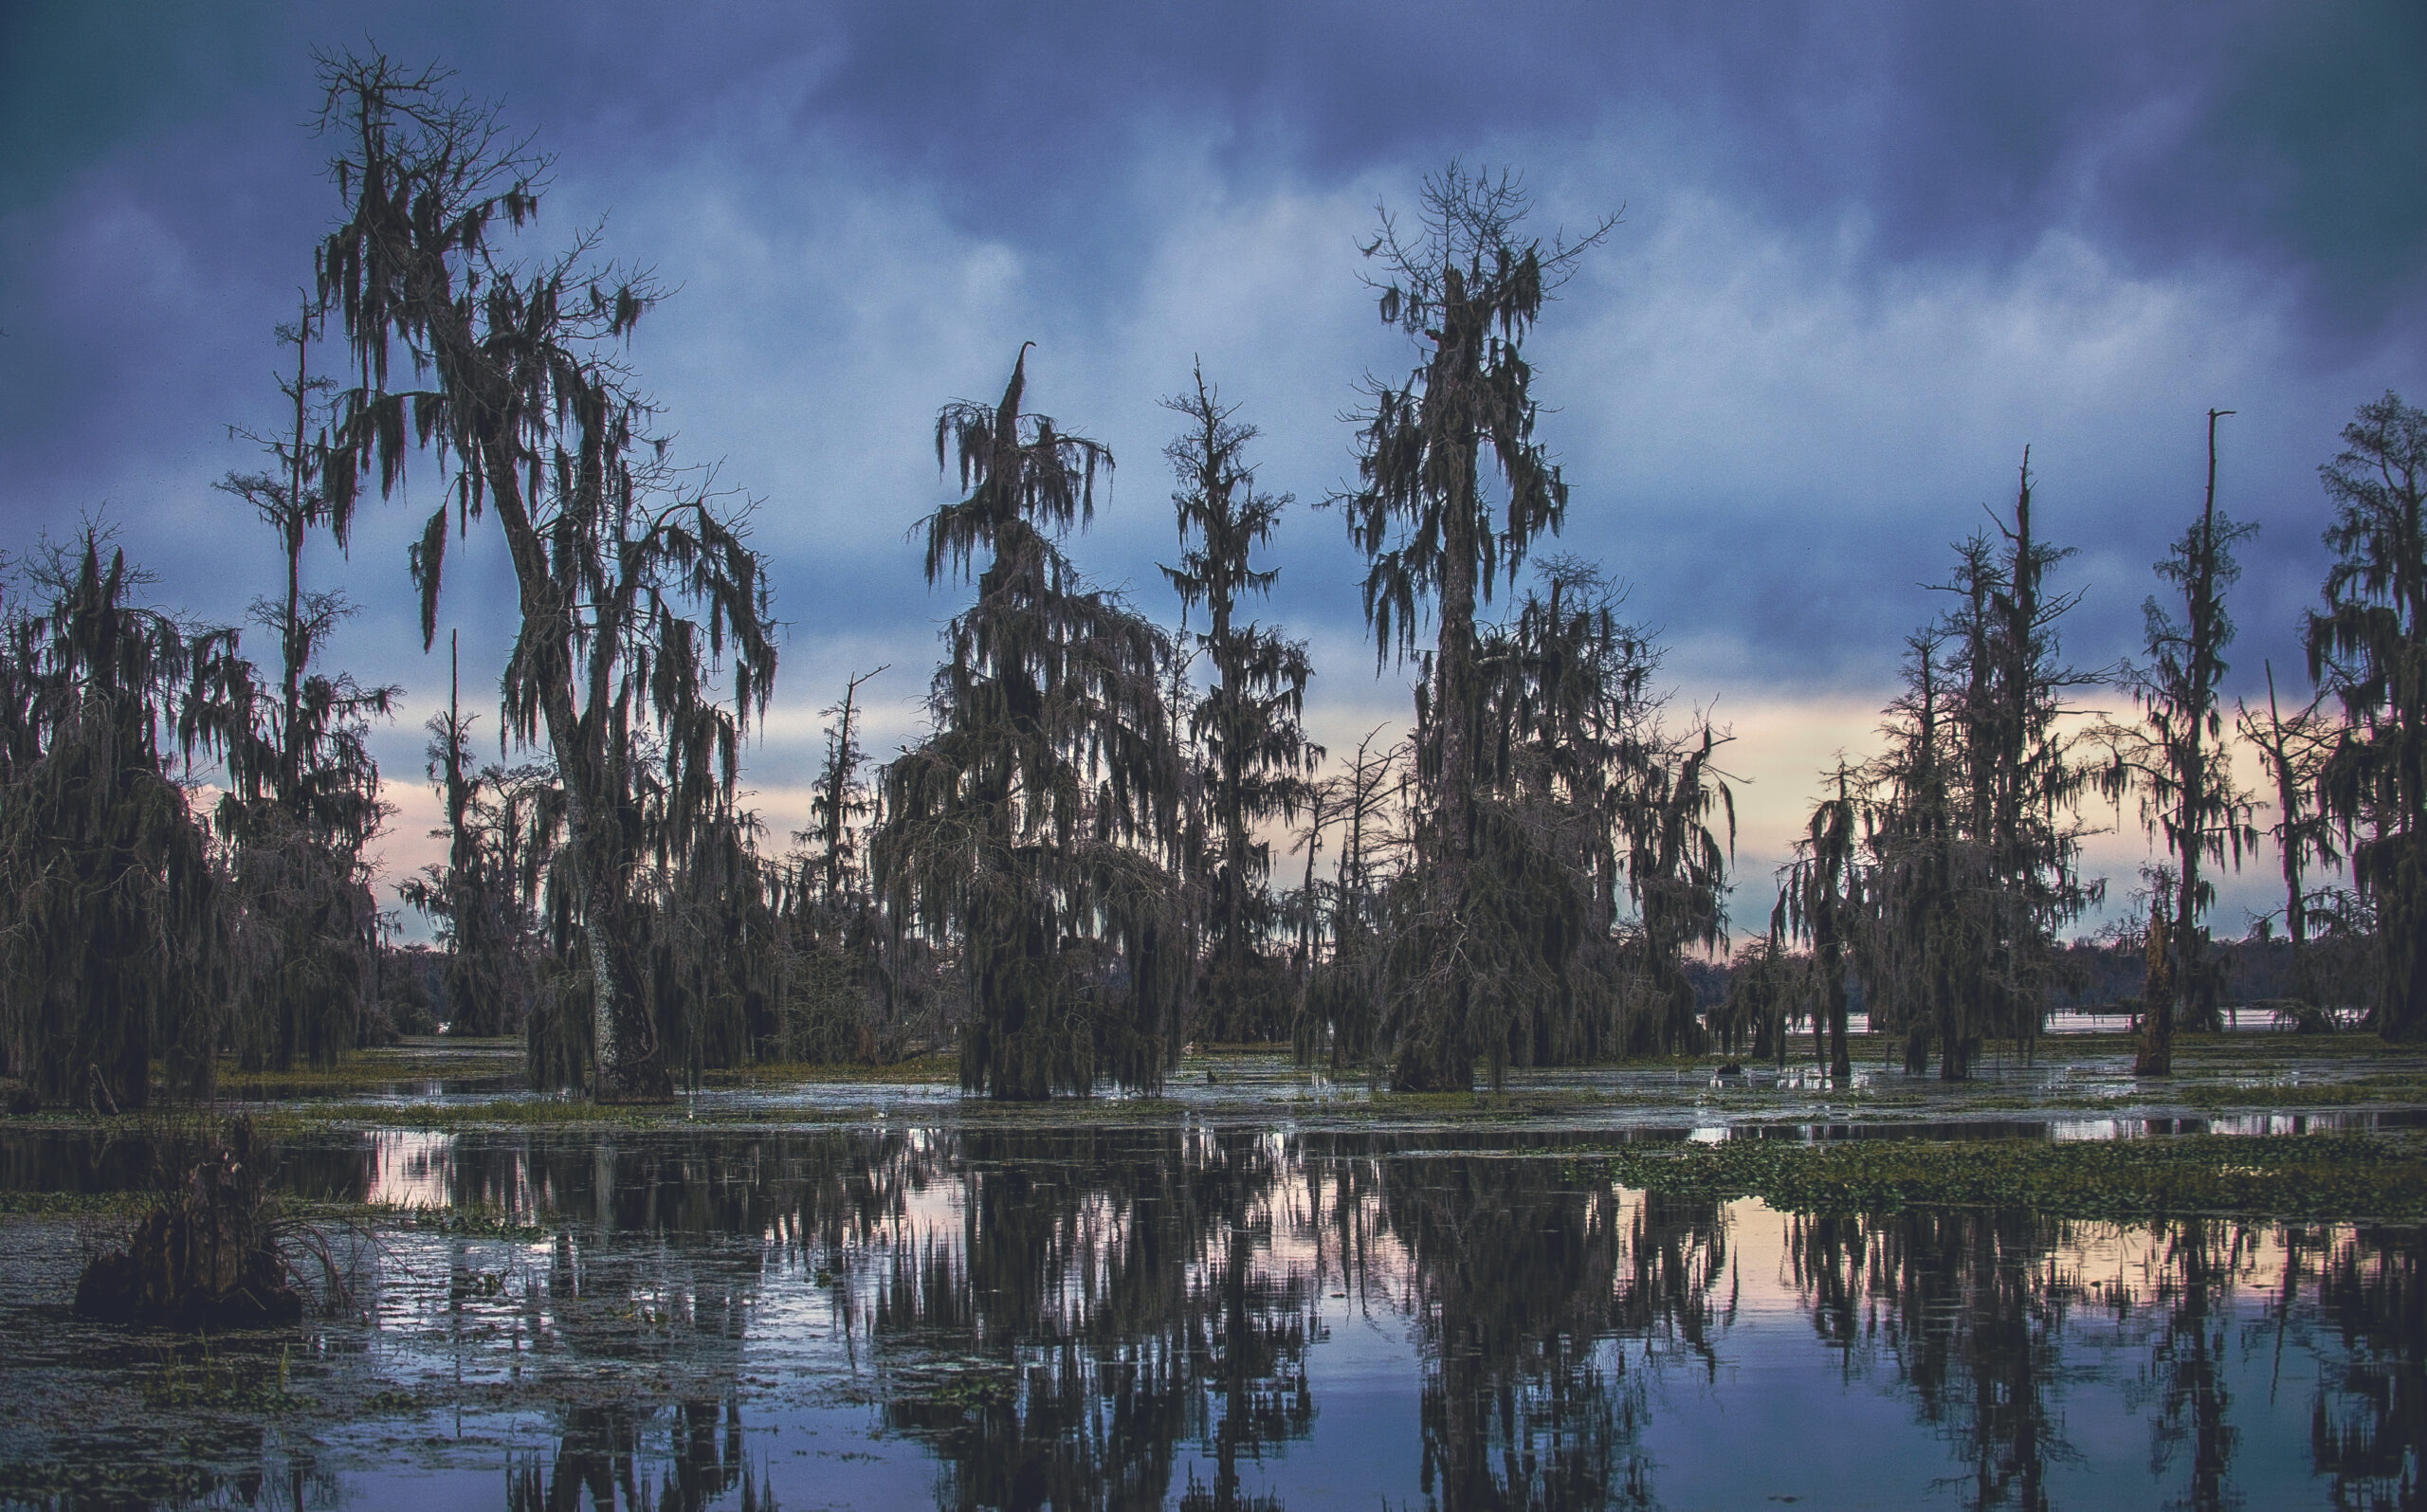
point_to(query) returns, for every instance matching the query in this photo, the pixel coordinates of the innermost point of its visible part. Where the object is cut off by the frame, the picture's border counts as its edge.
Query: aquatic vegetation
(2289, 1176)
(213, 1254)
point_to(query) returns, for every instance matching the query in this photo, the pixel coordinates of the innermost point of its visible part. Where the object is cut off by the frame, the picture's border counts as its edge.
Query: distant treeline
(1073, 871)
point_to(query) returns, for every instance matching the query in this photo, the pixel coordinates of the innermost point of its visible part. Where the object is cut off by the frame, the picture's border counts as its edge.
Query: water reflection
(1225, 1319)
(602, 1453)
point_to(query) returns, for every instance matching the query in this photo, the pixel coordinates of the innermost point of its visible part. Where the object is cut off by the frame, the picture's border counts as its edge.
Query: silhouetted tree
(1026, 830)
(115, 941)
(501, 831)
(633, 597)
(1678, 817)
(1467, 289)
(2178, 759)
(1926, 927)
(837, 980)
(303, 797)
(1339, 994)
(2020, 780)
(1249, 723)
(2369, 649)
(2295, 749)
(1821, 898)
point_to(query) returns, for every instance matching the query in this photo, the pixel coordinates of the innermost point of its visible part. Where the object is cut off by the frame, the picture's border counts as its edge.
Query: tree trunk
(1438, 1055)
(1833, 970)
(2401, 933)
(2156, 1056)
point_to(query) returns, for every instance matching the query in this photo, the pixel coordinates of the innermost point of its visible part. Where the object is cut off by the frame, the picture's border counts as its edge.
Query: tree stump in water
(207, 1257)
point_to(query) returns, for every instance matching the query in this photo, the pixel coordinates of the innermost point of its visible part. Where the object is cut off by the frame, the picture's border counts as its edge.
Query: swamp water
(1204, 1318)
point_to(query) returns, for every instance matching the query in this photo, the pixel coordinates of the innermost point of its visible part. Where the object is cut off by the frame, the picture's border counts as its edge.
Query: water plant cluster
(2292, 1176)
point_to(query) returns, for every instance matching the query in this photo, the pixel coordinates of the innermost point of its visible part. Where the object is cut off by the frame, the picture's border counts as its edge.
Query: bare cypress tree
(633, 597)
(1249, 723)
(1339, 1001)
(2179, 761)
(2295, 749)
(1027, 831)
(502, 830)
(1467, 290)
(2368, 649)
(115, 943)
(304, 790)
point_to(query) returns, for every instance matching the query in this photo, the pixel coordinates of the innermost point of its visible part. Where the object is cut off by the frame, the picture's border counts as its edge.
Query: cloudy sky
(1867, 252)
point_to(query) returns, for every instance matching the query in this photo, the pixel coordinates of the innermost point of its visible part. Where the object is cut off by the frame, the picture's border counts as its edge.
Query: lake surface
(1206, 1316)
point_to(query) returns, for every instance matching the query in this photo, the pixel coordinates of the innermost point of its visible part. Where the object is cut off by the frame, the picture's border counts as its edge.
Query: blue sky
(1869, 251)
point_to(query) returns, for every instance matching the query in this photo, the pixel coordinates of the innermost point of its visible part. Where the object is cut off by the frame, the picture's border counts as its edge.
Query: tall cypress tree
(636, 596)
(1027, 831)
(1467, 286)
(2180, 762)
(1249, 723)
(1927, 927)
(2021, 781)
(2368, 649)
(304, 792)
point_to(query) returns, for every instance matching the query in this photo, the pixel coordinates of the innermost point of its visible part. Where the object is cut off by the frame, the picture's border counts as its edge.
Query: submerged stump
(206, 1258)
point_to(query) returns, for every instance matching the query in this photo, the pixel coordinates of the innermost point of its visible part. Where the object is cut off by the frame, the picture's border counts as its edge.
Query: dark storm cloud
(2296, 133)
(2293, 134)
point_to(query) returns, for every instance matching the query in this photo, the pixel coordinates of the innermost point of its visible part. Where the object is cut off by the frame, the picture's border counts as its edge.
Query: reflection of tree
(1676, 1259)
(2368, 1427)
(1118, 1290)
(648, 1303)
(1518, 1276)
(1972, 1310)
(2189, 1358)
(1069, 1315)
(601, 1451)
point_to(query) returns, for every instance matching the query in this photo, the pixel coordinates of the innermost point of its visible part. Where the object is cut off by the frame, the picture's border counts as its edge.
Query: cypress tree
(2295, 749)
(1249, 723)
(2177, 759)
(1467, 288)
(2368, 649)
(635, 595)
(1026, 832)
(1820, 903)
(304, 792)
(2020, 779)
(115, 932)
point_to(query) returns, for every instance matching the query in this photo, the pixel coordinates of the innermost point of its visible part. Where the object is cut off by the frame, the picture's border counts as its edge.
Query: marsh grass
(415, 1060)
(935, 1068)
(251, 1384)
(2301, 1176)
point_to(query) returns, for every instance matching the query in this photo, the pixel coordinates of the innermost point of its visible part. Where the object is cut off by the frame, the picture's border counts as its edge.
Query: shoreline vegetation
(433, 1082)
(2108, 1145)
